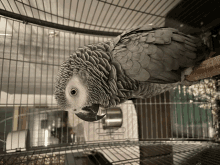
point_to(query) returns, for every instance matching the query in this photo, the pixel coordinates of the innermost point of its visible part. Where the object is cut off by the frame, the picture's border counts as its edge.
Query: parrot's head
(78, 92)
(78, 98)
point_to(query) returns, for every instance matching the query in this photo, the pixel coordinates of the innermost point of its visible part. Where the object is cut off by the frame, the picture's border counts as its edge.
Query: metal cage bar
(37, 36)
(180, 151)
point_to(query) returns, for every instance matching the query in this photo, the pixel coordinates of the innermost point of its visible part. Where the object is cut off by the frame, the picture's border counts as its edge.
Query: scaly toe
(186, 72)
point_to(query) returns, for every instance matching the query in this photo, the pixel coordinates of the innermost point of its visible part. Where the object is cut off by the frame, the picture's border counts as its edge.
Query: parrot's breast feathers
(141, 62)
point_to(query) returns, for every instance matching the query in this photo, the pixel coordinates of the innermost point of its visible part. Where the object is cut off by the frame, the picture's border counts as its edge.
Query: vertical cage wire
(30, 58)
(160, 128)
(122, 153)
(93, 14)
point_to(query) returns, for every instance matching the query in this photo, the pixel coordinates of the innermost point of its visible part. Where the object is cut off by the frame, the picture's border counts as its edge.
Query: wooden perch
(207, 69)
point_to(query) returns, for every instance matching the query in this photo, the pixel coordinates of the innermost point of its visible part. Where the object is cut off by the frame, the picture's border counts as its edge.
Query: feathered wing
(134, 64)
(141, 62)
(155, 55)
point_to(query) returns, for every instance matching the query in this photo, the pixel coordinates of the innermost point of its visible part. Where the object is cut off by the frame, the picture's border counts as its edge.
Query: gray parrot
(141, 62)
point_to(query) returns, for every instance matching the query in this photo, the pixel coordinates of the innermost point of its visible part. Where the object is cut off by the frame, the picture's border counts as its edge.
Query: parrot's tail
(203, 40)
(203, 52)
(207, 39)
(205, 49)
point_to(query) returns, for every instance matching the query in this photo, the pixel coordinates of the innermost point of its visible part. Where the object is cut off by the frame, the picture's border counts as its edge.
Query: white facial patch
(78, 101)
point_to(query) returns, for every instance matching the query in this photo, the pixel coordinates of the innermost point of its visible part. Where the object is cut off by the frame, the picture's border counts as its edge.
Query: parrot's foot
(185, 73)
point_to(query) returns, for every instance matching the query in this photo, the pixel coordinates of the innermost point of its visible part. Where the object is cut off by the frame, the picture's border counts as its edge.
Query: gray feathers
(141, 62)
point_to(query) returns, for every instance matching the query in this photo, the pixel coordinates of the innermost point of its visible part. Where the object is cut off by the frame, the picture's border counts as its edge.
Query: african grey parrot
(141, 62)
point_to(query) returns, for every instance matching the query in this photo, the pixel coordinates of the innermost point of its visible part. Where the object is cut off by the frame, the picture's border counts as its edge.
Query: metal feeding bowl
(113, 118)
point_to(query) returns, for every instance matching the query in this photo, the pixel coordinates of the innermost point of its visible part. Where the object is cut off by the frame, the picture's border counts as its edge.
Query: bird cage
(179, 126)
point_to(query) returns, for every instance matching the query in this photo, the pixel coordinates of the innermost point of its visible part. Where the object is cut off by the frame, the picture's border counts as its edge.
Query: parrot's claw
(185, 73)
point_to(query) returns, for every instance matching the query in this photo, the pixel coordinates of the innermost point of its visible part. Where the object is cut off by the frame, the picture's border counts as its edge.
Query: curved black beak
(90, 113)
(90, 118)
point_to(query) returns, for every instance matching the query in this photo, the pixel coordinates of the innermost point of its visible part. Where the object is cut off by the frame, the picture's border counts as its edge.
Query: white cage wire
(176, 127)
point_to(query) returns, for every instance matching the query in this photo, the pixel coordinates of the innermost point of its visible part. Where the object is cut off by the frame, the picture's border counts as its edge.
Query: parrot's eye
(73, 92)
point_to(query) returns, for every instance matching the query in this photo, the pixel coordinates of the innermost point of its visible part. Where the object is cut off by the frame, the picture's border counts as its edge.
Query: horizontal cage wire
(97, 15)
(121, 153)
(176, 127)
